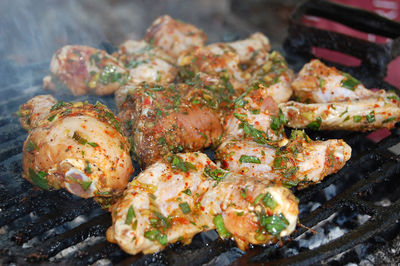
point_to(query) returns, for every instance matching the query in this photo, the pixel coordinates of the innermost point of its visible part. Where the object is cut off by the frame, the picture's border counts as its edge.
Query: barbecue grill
(353, 214)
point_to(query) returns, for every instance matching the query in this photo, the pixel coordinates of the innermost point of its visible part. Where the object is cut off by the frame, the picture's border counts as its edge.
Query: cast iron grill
(51, 227)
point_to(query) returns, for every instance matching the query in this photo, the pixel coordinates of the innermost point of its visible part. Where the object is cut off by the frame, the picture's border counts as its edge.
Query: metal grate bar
(95, 227)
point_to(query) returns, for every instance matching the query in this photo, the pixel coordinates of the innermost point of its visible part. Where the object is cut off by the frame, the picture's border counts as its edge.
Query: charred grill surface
(57, 227)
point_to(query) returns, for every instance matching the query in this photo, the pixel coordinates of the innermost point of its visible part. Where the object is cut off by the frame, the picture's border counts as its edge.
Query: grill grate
(57, 227)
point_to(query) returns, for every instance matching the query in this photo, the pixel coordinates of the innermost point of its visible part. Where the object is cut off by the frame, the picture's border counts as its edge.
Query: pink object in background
(387, 8)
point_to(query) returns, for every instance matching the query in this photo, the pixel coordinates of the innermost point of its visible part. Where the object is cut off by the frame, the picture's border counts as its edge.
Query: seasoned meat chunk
(173, 201)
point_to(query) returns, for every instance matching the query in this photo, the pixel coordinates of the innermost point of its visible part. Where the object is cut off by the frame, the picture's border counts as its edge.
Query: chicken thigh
(79, 147)
(85, 70)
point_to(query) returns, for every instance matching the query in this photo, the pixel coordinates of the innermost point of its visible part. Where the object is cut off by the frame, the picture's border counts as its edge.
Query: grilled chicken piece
(299, 162)
(173, 36)
(233, 62)
(146, 62)
(275, 75)
(35, 110)
(85, 70)
(217, 59)
(362, 115)
(318, 83)
(255, 116)
(169, 119)
(252, 51)
(79, 147)
(170, 202)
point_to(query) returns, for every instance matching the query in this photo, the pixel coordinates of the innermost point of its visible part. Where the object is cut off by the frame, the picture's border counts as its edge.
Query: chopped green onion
(268, 201)
(290, 183)
(85, 184)
(249, 159)
(187, 192)
(274, 224)
(185, 207)
(31, 146)
(39, 179)
(315, 125)
(163, 240)
(178, 163)
(278, 121)
(130, 215)
(78, 138)
(241, 117)
(58, 105)
(321, 82)
(216, 174)
(370, 117)
(88, 169)
(243, 193)
(357, 118)
(349, 82)
(134, 225)
(390, 119)
(51, 118)
(345, 111)
(258, 198)
(219, 225)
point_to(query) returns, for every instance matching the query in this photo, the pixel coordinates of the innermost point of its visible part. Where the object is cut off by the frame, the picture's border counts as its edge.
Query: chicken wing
(318, 83)
(146, 62)
(85, 70)
(298, 161)
(79, 147)
(170, 202)
(174, 37)
(362, 115)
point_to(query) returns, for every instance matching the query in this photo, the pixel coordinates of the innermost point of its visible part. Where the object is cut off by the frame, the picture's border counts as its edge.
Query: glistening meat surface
(170, 202)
